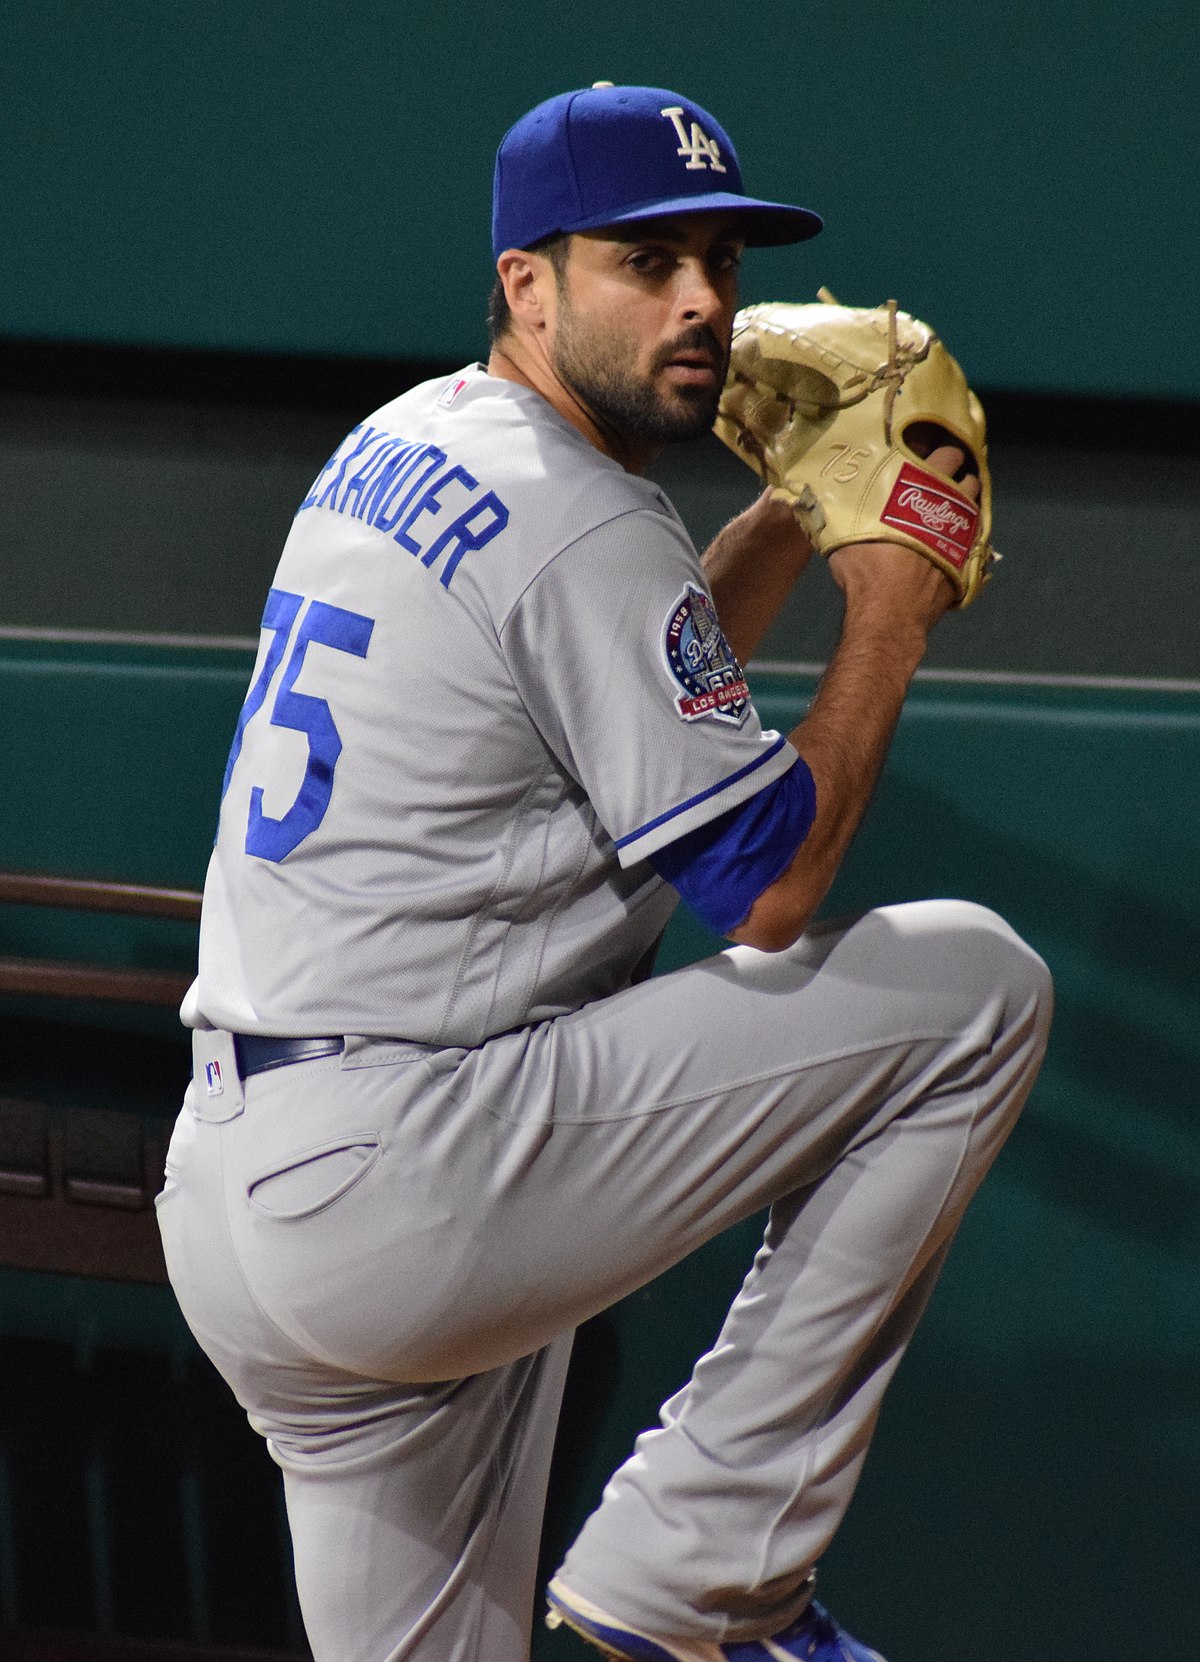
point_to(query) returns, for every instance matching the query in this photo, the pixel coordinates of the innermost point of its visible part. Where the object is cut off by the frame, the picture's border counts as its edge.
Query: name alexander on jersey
(401, 487)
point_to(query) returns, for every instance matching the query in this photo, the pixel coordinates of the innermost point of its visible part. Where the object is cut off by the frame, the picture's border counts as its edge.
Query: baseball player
(439, 1116)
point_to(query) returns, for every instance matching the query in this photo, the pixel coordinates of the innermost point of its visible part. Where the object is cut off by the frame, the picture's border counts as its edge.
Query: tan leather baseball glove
(826, 403)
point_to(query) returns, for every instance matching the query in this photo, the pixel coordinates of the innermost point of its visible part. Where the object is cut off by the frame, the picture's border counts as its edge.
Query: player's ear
(529, 283)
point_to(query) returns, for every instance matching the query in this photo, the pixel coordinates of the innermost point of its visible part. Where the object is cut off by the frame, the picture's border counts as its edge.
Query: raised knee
(974, 949)
(1017, 964)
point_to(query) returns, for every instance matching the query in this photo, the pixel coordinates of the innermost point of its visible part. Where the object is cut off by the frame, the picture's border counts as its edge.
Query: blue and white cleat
(813, 1637)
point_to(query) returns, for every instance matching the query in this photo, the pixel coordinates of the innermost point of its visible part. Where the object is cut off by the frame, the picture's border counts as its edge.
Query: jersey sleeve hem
(706, 805)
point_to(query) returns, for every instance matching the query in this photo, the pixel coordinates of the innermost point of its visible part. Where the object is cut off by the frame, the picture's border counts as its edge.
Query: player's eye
(725, 259)
(649, 262)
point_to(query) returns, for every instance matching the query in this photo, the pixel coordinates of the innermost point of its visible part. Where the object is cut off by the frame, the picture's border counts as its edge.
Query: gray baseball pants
(385, 1253)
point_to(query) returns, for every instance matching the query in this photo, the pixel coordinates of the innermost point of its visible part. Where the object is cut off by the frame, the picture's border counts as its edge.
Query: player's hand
(890, 580)
(890, 586)
(775, 520)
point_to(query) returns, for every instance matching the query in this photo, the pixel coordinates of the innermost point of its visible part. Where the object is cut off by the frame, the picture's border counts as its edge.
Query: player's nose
(700, 298)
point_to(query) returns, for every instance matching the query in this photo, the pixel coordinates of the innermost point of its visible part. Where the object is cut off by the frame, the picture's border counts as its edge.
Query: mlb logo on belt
(213, 1083)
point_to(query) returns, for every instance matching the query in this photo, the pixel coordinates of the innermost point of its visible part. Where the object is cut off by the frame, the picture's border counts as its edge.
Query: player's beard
(594, 363)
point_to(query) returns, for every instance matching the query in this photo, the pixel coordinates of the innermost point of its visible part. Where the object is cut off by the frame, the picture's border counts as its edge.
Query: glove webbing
(865, 381)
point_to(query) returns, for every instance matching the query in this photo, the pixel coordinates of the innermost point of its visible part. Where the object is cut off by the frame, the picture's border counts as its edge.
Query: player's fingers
(951, 460)
(935, 445)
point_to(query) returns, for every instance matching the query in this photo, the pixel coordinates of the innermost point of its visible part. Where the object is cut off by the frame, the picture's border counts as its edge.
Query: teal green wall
(260, 175)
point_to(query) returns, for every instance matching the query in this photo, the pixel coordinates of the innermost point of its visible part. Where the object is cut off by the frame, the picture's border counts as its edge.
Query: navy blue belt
(256, 1054)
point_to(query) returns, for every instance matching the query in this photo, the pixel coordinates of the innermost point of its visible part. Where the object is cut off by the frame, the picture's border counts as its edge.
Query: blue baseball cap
(609, 155)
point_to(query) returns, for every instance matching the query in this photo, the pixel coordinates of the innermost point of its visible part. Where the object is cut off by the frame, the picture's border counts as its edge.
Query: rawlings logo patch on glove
(832, 407)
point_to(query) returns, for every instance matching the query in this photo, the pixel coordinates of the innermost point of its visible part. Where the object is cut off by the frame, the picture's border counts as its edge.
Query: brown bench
(77, 1185)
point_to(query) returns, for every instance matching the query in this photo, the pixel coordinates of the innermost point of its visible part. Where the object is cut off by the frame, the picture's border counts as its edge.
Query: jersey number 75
(273, 839)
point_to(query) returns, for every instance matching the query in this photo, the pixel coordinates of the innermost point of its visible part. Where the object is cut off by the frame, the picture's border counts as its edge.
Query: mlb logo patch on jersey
(446, 398)
(700, 661)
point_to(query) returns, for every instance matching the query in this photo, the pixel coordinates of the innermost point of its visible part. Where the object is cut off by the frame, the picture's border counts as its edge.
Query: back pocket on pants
(314, 1179)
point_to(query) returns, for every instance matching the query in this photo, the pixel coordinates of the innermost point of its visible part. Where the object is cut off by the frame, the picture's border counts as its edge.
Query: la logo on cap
(701, 150)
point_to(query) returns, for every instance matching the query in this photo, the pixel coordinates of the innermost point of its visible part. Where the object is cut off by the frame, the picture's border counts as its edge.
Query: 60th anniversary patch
(700, 660)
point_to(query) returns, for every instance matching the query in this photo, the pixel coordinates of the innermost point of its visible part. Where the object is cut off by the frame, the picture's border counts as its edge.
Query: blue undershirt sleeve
(721, 869)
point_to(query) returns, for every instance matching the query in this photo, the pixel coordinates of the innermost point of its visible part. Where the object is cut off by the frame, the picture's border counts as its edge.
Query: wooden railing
(85, 894)
(52, 978)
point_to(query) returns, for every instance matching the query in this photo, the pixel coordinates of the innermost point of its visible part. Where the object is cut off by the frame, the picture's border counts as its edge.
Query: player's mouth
(694, 360)
(694, 369)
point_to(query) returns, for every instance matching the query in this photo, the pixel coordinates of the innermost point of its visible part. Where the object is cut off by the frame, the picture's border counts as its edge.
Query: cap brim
(764, 224)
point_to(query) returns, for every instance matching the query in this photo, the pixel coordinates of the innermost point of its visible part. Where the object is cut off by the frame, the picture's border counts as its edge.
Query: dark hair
(499, 318)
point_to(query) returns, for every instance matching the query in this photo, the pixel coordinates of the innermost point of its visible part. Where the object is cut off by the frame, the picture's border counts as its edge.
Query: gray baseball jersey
(491, 689)
(491, 682)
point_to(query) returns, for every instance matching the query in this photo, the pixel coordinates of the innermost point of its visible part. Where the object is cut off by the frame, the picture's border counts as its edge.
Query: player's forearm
(844, 739)
(751, 566)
